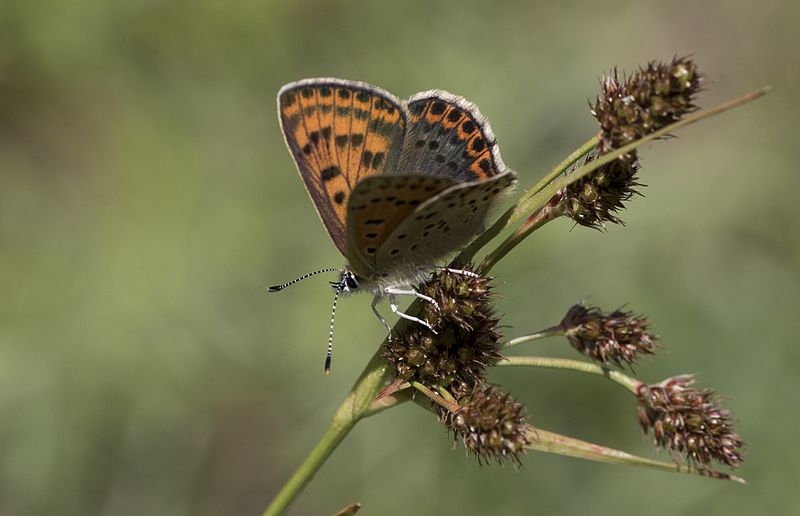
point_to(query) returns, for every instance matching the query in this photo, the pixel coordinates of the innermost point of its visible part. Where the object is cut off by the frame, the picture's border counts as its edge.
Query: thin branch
(439, 400)
(555, 331)
(542, 216)
(577, 154)
(631, 384)
(550, 442)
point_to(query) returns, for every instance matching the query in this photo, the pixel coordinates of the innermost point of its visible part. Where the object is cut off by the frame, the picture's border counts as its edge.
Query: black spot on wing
(330, 172)
(454, 115)
(339, 197)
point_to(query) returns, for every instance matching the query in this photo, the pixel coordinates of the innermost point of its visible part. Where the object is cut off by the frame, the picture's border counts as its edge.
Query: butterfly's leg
(459, 271)
(375, 302)
(399, 292)
(393, 304)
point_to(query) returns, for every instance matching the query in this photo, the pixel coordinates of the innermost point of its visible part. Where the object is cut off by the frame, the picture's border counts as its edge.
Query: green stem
(333, 436)
(503, 222)
(449, 405)
(550, 442)
(555, 331)
(541, 217)
(356, 405)
(386, 403)
(631, 384)
(446, 394)
(577, 154)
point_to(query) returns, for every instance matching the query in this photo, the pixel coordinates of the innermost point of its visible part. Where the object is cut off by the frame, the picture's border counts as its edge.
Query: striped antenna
(278, 288)
(329, 356)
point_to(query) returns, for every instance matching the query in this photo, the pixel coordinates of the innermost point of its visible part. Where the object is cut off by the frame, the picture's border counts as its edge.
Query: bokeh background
(147, 200)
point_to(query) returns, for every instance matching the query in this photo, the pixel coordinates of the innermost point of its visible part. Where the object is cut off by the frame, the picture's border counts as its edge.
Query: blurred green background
(147, 200)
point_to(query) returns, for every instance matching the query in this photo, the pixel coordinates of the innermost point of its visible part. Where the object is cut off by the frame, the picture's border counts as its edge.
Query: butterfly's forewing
(339, 132)
(448, 136)
(443, 224)
(377, 207)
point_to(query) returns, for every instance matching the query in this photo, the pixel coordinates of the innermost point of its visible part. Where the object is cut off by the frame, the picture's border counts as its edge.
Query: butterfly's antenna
(329, 356)
(278, 288)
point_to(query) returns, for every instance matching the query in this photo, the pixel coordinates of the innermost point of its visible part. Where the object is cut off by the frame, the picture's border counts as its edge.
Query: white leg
(396, 291)
(375, 301)
(393, 304)
(459, 271)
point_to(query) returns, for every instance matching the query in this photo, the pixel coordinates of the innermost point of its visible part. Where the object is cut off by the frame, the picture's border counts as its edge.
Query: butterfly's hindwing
(448, 136)
(377, 207)
(339, 132)
(443, 224)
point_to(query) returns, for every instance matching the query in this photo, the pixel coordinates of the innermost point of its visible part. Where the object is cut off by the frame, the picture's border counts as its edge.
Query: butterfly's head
(348, 282)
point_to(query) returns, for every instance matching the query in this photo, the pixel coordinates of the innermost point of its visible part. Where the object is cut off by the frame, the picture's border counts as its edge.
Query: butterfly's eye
(350, 281)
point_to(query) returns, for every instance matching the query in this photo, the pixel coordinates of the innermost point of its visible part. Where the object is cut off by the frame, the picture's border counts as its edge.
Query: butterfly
(399, 185)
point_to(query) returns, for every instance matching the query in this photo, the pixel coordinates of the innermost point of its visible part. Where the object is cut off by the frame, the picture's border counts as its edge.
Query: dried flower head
(466, 342)
(596, 198)
(654, 96)
(619, 336)
(689, 420)
(491, 425)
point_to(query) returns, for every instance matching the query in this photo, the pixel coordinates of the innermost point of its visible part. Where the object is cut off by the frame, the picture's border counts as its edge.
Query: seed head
(491, 425)
(467, 338)
(597, 197)
(652, 97)
(619, 336)
(689, 420)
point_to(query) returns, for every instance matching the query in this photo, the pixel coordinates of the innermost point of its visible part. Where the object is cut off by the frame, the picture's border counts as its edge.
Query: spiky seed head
(620, 336)
(490, 424)
(467, 338)
(598, 197)
(651, 98)
(689, 421)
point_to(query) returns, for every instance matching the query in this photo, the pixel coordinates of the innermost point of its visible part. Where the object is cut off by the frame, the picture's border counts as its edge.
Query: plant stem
(540, 217)
(503, 221)
(549, 442)
(386, 403)
(330, 440)
(555, 331)
(449, 405)
(577, 154)
(356, 405)
(446, 394)
(631, 384)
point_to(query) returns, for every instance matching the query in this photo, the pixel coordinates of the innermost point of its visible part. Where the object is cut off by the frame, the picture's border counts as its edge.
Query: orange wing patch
(339, 133)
